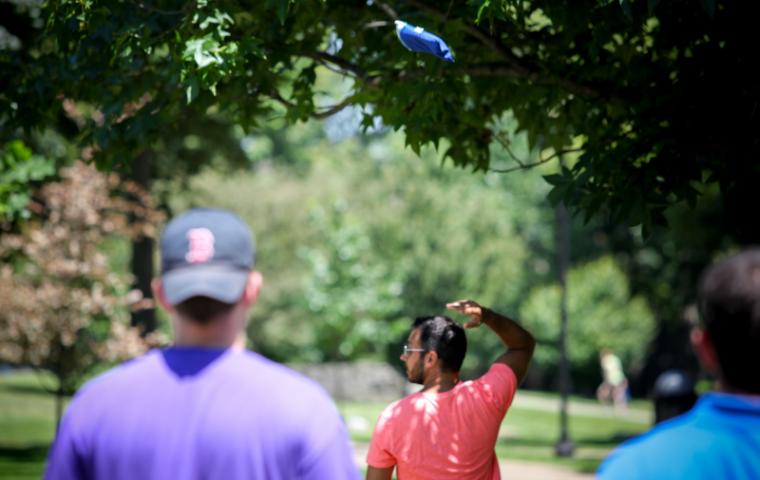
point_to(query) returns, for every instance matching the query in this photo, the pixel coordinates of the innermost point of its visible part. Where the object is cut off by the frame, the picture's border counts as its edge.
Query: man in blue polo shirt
(720, 436)
(205, 407)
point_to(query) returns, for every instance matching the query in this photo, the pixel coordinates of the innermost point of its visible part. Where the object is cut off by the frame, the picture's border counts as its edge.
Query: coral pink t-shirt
(449, 435)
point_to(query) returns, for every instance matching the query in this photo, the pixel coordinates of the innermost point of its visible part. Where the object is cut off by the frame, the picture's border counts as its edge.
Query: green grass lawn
(529, 431)
(529, 434)
(27, 425)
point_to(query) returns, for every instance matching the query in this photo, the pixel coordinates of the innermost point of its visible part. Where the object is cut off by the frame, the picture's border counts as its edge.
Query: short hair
(203, 310)
(444, 336)
(729, 304)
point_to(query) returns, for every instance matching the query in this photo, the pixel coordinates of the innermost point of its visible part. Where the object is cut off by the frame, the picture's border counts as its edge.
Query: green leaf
(555, 179)
(192, 89)
(557, 195)
(19, 169)
(482, 9)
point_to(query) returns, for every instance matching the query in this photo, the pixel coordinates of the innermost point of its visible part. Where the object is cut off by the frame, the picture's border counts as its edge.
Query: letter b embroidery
(200, 245)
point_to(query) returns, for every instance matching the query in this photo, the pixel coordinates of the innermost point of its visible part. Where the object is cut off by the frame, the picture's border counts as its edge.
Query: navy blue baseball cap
(206, 253)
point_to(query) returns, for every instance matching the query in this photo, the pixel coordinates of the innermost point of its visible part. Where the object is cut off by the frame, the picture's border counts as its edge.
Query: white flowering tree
(62, 308)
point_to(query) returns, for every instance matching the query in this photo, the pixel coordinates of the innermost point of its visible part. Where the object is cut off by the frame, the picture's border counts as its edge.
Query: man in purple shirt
(204, 408)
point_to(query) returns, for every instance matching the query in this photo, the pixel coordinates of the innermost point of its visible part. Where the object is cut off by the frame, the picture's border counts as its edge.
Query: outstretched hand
(470, 308)
(519, 342)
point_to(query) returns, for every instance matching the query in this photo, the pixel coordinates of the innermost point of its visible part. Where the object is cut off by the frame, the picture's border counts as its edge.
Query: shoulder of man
(102, 392)
(500, 370)
(286, 389)
(390, 409)
(672, 449)
(126, 372)
(396, 411)
(271, 371)
(309, 410)
(498, 384)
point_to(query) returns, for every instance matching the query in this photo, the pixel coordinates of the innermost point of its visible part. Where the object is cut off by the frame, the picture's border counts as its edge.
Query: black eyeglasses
(407, 349)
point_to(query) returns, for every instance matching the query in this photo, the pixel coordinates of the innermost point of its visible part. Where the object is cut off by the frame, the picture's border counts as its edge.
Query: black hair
(444, 336)
(729, 304)
(203, 310)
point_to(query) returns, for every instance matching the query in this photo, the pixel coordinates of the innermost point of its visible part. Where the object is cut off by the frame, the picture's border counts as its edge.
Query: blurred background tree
(19, 169)
(603, 315)
(351, 293)
(63, 308)
(352, 251)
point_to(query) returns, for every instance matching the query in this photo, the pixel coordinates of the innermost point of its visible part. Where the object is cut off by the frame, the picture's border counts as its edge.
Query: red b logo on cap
(200, 245)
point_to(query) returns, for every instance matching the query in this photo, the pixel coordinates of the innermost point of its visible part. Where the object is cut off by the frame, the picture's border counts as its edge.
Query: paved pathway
(520, 470)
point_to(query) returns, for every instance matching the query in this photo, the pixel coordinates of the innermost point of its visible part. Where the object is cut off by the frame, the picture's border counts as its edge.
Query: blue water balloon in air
(417, 39)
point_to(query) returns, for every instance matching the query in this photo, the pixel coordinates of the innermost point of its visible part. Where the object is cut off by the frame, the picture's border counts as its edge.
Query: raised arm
(519, 342)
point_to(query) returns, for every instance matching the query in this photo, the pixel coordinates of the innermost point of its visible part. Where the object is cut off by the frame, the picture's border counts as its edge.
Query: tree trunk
(142, 249)
(58, 407)
(58, 391)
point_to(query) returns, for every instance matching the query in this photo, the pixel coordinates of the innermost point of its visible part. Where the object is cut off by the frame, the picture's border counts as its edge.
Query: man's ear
(158, 294)
(252, 288)
(431, 359)
(703, 346)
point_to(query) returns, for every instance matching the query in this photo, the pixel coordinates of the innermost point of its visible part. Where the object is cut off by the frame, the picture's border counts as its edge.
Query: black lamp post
(564, 446)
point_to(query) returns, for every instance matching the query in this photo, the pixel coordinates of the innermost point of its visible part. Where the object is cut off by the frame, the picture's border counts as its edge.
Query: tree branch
(505, 145)
(516, 66)
(493, 70)
(331, 110)
(345, 65)
(321, 113)
(153, 9)
(526, 166)
(509, 71)
(376, 24)
(387, 9)
(275, 95)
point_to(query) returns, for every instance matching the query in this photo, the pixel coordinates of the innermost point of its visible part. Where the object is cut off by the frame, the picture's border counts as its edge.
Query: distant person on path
(614, 386)
(720, 436)
(205, 407)
(448, 430)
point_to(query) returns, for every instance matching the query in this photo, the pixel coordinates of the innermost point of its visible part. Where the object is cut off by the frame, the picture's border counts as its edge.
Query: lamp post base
(564, 448)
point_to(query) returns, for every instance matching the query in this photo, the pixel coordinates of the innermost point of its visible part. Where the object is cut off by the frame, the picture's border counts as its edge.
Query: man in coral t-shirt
(448, 429)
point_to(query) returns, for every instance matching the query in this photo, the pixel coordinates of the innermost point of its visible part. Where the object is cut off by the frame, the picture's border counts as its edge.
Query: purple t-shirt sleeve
(331, 457)
(64, 462)
(326, 449)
